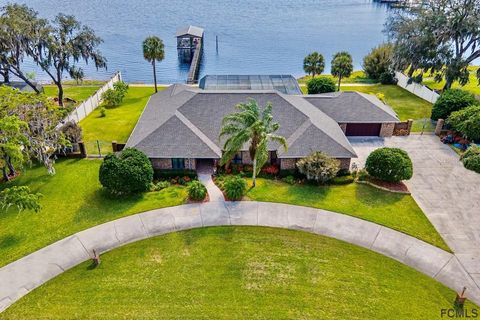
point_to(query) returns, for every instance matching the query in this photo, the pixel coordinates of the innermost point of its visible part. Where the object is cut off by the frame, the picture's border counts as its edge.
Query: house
(180, 126)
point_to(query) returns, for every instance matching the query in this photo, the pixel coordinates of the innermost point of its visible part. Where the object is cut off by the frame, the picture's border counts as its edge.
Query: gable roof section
(175, 139)
(353, 107)
(190, 30)
(184, 122)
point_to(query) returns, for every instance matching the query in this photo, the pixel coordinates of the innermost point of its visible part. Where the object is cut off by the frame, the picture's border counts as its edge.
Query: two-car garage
(363, 129)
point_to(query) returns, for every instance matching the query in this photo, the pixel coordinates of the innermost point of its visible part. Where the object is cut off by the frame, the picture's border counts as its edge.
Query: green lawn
(118, 123)
(238, 273)
(356, 77)
(472, 86)
(405, 104)
(78, 93)
(72, 201)
(396, 211)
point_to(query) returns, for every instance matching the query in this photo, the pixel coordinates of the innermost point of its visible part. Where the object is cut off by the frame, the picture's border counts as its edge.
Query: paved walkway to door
(448, 193)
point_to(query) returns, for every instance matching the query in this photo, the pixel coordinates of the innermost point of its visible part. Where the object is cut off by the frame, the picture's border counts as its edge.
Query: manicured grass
(405, 104)
(472, 86)
(396, 211)
(356, 77)
(73, 200)
(238, 273)
(79, 93)
(118, 123)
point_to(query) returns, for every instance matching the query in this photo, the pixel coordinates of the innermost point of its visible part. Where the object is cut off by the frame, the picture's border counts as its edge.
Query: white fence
(416, 88)
(86, 107)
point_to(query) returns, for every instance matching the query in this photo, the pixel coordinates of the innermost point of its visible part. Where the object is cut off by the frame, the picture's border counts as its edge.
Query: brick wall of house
(246, 157)
(387, 129)
(288, 164)
(343, 126)
(161, 163)
(345, 163)
(190, 164)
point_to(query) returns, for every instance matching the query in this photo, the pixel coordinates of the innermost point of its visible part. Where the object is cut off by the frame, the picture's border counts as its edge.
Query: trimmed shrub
(289, 180)
(103, 112)
(321, 85)
(114, 97)
(129, 171)
(319, 167)
(389, 164)
(234, 187)
(159, 185)
(466, 121)
(471, 158)
(196, 191)
(452, 100)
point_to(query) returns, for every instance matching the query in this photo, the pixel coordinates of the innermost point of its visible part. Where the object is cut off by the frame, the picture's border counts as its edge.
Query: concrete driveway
(447, 192)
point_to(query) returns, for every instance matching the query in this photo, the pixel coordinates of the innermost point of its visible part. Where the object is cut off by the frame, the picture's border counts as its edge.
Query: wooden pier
(189, 47)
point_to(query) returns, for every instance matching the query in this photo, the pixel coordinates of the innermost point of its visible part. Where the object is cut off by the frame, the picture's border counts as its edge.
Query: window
(237, 159)
(178, 163)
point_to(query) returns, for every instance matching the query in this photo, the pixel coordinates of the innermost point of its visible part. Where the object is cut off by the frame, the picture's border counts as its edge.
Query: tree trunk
(5, 175)
(448, 84)
(254, 173)
(60, 94)
(11, 169)
(339, 82)
(155, 76)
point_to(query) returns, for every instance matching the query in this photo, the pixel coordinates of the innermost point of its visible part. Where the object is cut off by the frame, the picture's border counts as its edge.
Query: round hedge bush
(389, 164)
(129, 171)
(196, 191)
(235, 187)
(471, 158)
(321, 85)
(451, 100)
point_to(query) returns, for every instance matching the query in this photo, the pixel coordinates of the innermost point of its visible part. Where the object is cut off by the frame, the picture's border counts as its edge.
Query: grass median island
(396, 211)
(238, 273)
(73, 200)
(118, 123)
(405, 104)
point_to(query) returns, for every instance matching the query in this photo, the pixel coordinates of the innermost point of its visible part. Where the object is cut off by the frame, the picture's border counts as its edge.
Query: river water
(255, 36)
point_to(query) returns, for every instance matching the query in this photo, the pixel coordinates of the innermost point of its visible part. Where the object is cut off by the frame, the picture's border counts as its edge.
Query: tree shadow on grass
(9, 240)
(100, 206)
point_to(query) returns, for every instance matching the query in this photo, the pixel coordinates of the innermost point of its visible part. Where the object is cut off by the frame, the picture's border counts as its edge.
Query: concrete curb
(20, 277)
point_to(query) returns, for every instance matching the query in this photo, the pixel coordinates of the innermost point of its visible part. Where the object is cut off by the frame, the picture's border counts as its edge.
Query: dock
(190, 48)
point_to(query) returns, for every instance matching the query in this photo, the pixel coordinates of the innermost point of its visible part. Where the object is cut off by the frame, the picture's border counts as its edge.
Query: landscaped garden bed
(238, 272)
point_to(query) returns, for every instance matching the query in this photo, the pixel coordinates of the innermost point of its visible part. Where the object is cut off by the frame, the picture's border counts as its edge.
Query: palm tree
(314, 64)
(250, 125)
(342, 66)
(153, 50)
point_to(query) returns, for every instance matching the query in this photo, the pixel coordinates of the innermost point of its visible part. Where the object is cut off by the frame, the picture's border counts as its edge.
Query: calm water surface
(255, 36)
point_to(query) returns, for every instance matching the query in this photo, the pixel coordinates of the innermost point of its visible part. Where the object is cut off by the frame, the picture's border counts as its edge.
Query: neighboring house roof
(353, 107)
(184, 122)
(191, 31)
(284, 83)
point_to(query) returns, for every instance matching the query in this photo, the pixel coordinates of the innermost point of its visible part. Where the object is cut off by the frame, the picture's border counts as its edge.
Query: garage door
(363, 129)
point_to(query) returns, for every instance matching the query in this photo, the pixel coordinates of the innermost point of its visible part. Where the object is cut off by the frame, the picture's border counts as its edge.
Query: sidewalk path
(214, 193)
(20, 277)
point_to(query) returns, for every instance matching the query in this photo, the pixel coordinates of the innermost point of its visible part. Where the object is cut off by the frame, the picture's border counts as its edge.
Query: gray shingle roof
(353, 107)
(190, 30)
(184, 122)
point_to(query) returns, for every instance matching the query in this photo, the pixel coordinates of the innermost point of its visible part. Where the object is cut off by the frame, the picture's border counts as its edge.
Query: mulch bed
(390, 186)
